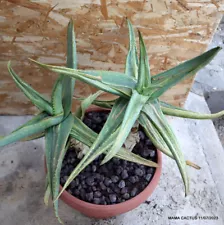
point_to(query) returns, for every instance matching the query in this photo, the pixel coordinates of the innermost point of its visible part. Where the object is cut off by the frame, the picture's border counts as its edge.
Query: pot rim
(149, 189)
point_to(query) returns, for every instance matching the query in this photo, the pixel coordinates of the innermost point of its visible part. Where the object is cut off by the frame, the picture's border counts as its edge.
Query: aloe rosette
(138, 100)
(56, 123)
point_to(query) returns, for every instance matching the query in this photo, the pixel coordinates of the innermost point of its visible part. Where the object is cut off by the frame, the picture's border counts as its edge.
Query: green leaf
(156, 138)
(130, 156)
(173, 76)
(179, 112)
(57, 97)
(134, 108)
(104, 80)
(154, 113)
(31, 130)
(86, 103)
(34, 120)
(108, 104)
(68, 83)
(87, 136)
(61, 137)
(47, 195)
(144, 77)
(38, 100)
(131, 67)
(82, 133)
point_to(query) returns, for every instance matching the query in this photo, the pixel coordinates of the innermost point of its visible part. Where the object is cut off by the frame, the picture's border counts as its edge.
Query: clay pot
(106, 211)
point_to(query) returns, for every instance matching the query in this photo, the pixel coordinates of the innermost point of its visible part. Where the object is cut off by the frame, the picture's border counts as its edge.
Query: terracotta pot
(106, 211)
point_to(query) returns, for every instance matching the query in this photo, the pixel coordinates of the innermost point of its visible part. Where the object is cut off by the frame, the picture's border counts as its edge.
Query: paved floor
(22, 180)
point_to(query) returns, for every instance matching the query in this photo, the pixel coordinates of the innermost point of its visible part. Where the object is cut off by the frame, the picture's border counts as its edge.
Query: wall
(174, 31)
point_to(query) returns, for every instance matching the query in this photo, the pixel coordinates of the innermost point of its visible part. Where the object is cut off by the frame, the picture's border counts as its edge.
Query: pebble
(124, 174)
(134, 191)
(107, 181)
(114, 182)
(89, 196)
(126, 196)
(115, 179)
(148, 177)
(96, 201)
(121, 184)
(93, 168)
(102, 186)
(113, 198)
(124, 190)
(90, 181)
(97, 194)
(141, 135)
(139, 172)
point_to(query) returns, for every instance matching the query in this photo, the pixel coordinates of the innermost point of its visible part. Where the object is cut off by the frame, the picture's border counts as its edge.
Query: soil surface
(114, 182)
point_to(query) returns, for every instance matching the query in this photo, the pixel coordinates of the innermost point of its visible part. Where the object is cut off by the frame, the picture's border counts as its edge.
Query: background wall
(174, 31)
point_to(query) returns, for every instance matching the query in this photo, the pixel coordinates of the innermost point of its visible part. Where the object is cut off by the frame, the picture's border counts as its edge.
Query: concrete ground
(22, 180)
(210, 81)
(22, 176)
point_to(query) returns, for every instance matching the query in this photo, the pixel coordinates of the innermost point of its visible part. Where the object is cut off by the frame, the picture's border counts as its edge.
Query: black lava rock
(113, 198)
(126, 196)
(139, 172)
(96, 201)
(121, 184)
(124, 190)
(134, 192)
(124, 174)
(107, 182)
(117, 180)
(97, 194)
(89, 196)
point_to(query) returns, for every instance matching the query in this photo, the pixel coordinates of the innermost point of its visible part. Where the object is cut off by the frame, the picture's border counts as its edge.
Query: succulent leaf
(57, 97)
(86, 103)
(144, 78)
(134, 108)
(131, 66)
(68, 83)
(96, 80)
(154, 113)
(38, 100)
(173, 76)
(30, 130)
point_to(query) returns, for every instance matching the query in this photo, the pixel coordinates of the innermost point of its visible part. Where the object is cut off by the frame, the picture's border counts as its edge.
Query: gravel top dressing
(114, 182)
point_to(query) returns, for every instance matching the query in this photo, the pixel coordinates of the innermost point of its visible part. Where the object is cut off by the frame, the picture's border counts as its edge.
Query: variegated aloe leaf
(30, 130)
(38, 100)
(108, 104)
(80, 112)
(132, 112)
(84, 134)
(68, 83)
(144, 77)
(154, 113)
(156, 138)
(131, 66)
(55, 141)
(173, 76)
(56, 98)
(61, 135)
(103, 80)
(180, 112)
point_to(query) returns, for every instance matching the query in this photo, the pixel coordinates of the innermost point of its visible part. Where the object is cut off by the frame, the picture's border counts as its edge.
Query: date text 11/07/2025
(193, 217)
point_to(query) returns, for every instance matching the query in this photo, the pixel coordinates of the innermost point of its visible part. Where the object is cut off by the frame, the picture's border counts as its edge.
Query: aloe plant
(138, 100)
(56, 123)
